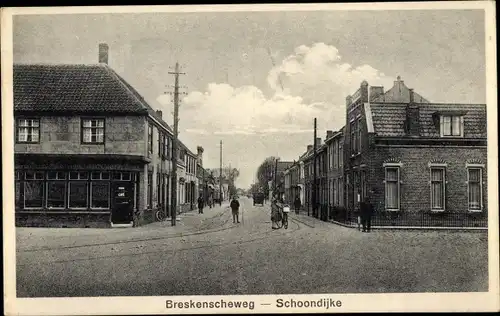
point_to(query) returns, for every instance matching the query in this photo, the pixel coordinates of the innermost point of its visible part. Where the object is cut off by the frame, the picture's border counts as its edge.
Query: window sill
(83, 143)
(27, 143)
(392, 210)
(475, 211)
(437, 211)
(62, 211)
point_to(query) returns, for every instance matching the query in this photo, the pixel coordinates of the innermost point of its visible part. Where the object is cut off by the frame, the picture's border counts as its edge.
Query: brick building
(423, 162)
(89, 151)
(420, 159)
(335, 175)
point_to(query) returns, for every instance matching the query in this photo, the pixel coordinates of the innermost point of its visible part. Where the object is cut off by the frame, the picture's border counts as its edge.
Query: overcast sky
(234, 62)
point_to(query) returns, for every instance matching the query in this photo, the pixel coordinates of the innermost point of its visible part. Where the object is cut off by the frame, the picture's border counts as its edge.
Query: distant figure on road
(366, 212)
(235, 209)
(297, 204)
(275, 212)
(201, 204)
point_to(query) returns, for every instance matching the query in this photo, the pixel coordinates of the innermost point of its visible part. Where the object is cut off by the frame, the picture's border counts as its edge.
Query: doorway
(122, 202)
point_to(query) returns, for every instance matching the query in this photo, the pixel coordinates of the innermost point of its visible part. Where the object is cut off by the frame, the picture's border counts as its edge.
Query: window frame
(82, 128)
(100, 180)
(57, 179)
(397, 167)
(481, 198)
(168, 145)
(441, 167)
(87, 188)
(149, 196)
(150, 140)
(352, 125)
(42, 181)
(160, 143)
(358, 135)
(30, 128)
(451, 116)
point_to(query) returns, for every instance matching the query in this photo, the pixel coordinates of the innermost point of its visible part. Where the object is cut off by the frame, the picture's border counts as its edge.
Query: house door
(122, 202)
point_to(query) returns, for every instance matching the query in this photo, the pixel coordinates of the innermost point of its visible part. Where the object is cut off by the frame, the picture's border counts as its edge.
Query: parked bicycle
(285, 210)
(160, 214)
(281, 219)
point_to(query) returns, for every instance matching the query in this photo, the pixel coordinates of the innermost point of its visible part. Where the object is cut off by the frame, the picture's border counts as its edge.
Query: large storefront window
(78, 189)
(33, 189)
(99, 190)
(18, 188)
(56, 189)
(63, 190)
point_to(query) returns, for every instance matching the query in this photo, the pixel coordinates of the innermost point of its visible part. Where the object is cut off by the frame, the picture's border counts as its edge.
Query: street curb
(415, 227)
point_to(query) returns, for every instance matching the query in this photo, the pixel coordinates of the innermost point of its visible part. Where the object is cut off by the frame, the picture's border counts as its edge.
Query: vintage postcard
(294, 158)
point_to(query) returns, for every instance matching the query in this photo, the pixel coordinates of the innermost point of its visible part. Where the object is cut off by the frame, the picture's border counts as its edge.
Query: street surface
(209, 255)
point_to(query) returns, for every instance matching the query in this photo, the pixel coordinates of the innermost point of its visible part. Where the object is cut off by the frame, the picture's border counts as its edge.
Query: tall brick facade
(411, 157)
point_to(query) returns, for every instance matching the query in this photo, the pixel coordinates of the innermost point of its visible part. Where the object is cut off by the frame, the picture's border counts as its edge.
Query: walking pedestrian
(201, 203)
(275, 212)
(235, 208)
(297, 204)
(366, 210)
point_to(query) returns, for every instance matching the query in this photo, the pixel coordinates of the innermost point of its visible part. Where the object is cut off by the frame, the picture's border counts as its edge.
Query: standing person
(366, 210)
(297, 204)
(201, 204)
(274, 213)
(235, 208)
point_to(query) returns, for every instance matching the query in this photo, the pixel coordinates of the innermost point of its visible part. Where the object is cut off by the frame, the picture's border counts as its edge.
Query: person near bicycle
(235, 209)
(201, 204)
(275, 213)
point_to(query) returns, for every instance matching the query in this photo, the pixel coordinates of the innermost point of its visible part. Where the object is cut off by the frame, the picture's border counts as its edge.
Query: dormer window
(452, 126)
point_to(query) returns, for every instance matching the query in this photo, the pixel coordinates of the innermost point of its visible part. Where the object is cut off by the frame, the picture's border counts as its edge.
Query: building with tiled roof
(89, 150)
(414, 158)
(419, 163)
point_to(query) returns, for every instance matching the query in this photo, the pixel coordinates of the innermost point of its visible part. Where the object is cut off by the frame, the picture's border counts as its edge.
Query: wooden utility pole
(220, 175)
(275, 184)
(175, 153)
(313, 195)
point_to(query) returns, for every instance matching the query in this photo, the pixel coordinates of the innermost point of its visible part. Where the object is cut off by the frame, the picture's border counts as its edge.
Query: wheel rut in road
(261, 236)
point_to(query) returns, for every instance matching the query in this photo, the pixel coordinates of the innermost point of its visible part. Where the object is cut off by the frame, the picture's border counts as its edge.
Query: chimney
(199, 155)
(103, 53)
(329, 134)
(318, 142)
(159, 113)
(412, 117)
(375, 92)
(364, 91)
(309, 147)
(399, 83)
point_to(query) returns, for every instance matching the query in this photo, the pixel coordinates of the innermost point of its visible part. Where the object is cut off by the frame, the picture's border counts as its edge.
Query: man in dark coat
(366, 212)
(235, 209)
(201, 204)
(297, 204)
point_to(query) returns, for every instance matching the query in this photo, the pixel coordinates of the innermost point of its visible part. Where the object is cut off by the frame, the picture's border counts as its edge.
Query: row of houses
(422, 163)
(91, 152)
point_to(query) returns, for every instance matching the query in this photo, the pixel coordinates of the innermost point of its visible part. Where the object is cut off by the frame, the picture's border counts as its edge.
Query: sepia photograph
(250, 158)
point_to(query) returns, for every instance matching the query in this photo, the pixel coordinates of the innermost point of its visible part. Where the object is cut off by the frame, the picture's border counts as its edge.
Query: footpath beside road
(187, 222)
